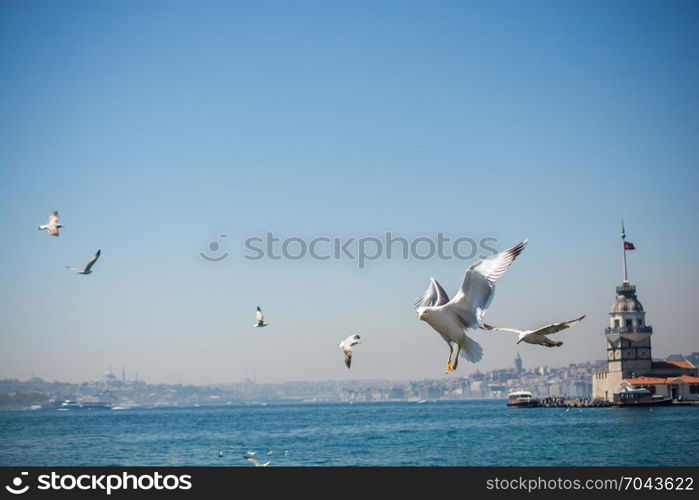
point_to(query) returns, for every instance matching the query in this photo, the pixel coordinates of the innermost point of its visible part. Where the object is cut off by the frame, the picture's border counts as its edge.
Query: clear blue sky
(154, 126)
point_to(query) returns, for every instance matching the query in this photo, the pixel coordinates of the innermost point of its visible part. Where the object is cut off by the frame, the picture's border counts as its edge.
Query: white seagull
(538, 336)
(452, 318)
(260, 319)
(255, 461)
(347, 345)
(88, 267)
(52, 226)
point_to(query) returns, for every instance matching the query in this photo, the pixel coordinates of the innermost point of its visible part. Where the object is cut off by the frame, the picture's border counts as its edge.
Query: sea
(427, 433)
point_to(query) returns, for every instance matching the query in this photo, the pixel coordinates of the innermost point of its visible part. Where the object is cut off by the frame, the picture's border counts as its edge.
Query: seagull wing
(476, 293)
(259, 315)
(53, 218)
(433, 296)
(93, 260)
(252, 460)
(492, 328)
(557, 327)
(495, 266)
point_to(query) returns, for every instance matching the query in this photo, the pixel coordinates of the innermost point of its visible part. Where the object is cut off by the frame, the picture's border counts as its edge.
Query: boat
(69, 404)
(521, 399)
(639, 398)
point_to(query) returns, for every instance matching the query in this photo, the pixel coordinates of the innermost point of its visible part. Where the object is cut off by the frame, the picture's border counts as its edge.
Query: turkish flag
(629, 246)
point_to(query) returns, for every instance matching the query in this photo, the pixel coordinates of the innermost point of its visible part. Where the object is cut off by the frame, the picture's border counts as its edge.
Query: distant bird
(220, 453)
(251, 453)
(347, 345)
(52, 226)
(88, 267)
(260, 319)
(539, 336)
(286, 453)
(255, 461)
(452, 318)
(269, 453)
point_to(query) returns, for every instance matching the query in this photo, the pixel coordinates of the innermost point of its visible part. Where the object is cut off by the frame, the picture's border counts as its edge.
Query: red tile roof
(656, 380)
(682, 364)
(646, 380)
(685, 365)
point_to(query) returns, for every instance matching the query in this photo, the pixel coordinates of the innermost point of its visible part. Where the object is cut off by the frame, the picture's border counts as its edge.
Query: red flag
(629, 246)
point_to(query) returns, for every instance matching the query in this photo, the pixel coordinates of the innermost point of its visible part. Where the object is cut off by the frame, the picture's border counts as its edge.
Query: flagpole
(623, 246)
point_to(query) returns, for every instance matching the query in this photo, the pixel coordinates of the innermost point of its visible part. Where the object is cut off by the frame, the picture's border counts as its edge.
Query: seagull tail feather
(471, 350)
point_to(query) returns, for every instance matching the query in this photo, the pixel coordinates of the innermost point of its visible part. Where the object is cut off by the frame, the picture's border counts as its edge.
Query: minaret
(628, 336)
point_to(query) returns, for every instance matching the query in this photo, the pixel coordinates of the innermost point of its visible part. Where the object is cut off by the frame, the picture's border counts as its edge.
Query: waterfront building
(629, 358)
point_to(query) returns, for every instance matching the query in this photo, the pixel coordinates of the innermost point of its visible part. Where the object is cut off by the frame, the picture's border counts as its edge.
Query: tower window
(617, 323)
(629, 323)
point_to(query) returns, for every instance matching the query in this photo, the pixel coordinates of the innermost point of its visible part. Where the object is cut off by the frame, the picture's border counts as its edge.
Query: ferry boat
(70, 404)
(521, 399)
(639, 397)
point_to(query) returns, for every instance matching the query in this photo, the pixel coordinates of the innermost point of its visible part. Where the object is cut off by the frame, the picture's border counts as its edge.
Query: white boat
(521, 399)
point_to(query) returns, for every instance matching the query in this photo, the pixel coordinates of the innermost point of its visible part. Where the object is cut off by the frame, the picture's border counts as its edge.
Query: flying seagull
(260, 319)
(452, 318)
(52, 226)
(539, 336)
(220, 453)
(347, 345)
(255, 461)
(88, 267)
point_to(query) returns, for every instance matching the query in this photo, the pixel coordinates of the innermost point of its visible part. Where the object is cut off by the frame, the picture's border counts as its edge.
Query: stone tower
(628, 336)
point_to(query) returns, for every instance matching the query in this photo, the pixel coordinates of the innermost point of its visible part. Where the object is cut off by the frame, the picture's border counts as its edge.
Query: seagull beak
(420, 316)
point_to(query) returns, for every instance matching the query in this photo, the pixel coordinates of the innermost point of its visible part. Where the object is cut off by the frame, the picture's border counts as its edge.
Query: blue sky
(155, 126)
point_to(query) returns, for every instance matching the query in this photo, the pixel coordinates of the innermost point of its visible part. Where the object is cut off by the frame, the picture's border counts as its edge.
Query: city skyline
(154, 128)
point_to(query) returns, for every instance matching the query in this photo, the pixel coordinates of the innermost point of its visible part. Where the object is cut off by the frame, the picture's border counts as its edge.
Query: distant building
(629, 360)
(518, 364)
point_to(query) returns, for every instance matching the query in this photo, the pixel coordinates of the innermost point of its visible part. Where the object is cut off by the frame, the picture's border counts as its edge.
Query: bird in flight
(538, 336)
(255, 461)
(52, 226)
(260, 319)
(347, 345)
(452, 318)
(88, 267)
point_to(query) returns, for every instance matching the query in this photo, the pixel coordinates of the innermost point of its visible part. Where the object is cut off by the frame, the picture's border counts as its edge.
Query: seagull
(220, 453)
(260, 319)
(88, 267)
(269, 453)
(251, 453)
(52, 226)
(539, 336)
(347, 345)
(255, 461)
(452, 318)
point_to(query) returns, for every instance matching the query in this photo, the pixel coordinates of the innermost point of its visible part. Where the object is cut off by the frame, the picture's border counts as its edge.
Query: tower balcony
(626, 290)
(628, 329)
(632, 333)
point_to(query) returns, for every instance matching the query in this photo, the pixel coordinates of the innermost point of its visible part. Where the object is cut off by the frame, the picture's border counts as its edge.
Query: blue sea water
(442, 433)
